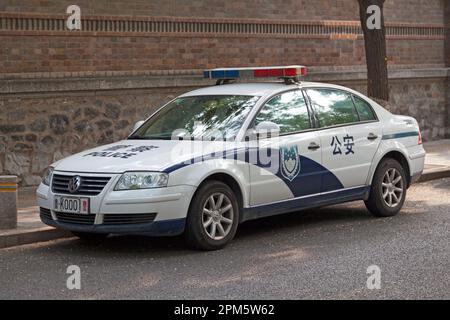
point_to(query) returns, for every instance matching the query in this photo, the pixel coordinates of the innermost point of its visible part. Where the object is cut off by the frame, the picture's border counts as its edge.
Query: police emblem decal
(290, 162)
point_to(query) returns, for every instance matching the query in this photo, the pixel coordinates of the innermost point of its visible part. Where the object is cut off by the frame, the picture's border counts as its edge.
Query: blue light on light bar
(221, 74)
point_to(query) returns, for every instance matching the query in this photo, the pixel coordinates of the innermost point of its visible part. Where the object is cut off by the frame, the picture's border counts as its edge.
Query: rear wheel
(388, 190)
(213, 217)
(90, 237)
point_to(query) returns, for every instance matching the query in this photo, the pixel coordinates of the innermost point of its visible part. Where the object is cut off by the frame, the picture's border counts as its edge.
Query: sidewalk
(437, 161)
(31, 229)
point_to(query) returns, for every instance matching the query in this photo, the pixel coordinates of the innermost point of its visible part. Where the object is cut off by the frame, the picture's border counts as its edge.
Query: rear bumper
(171, 227)
(415, 177)
(416, 161)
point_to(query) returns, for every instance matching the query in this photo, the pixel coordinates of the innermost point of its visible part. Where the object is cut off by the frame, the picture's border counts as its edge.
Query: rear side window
(288, 110)
(333, 107)
(364, 109)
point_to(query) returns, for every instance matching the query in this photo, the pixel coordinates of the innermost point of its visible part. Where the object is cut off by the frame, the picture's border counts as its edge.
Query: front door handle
(313, 146)
(372, 136)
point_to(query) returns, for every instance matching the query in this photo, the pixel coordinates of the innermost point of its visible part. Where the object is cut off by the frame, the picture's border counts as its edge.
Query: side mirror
(267, 129)
(137, 125)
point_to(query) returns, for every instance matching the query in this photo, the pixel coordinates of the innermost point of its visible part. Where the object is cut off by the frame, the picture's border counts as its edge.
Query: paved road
(322, 253)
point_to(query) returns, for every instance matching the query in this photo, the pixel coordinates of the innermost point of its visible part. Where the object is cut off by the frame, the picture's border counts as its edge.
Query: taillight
(420, 137)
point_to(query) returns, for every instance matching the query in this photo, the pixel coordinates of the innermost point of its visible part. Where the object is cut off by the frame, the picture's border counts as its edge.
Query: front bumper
(156, 228)
(169, 206)
(416, 177)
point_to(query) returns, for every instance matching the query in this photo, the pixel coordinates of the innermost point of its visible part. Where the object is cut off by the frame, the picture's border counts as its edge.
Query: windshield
(199, 117)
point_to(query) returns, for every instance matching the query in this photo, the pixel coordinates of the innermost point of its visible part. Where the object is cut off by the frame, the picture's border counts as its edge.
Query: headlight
(142, 180)
(47, 177)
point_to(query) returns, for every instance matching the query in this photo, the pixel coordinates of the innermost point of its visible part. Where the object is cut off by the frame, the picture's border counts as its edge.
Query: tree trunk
(447, 37)
(375, 45)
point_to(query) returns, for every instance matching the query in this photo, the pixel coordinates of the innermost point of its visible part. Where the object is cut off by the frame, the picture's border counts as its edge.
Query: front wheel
(388, 190)
(213, 217)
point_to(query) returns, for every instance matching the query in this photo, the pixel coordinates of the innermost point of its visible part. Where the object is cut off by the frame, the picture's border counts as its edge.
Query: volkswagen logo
(74, 184)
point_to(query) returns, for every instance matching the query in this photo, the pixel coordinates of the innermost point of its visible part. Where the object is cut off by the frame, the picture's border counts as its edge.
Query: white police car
(215, 157)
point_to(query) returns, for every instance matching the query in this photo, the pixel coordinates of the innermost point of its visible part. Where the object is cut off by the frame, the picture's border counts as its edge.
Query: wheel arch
(230, 181)
(401, 158)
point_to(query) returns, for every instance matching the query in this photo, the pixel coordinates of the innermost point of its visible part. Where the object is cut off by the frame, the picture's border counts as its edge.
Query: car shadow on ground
(306, 219)
(440, 184)
(260, 228)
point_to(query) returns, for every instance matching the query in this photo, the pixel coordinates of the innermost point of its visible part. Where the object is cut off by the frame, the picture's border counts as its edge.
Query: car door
(294, 154)
(349, 134)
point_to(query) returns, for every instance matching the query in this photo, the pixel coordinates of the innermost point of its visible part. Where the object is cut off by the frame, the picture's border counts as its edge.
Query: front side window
(199, 118)
(333, 107)
(364, 109)
(288, 110)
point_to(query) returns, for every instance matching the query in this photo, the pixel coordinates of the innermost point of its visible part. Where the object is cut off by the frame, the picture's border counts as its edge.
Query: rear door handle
(372, 136)
(313, 146)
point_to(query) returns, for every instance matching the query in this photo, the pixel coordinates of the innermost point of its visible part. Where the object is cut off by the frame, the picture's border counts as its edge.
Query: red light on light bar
(261, 73)
(291, 72)
(303, 71)
(276, 72)
(287, 72)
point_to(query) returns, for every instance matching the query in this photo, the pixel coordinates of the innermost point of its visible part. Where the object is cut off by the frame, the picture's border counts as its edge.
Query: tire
(386, 198)
(205, 215)
(90, 237)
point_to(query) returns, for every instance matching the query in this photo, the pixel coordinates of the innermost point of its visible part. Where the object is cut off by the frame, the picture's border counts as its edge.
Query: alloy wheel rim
(218, 215)
(392, 187)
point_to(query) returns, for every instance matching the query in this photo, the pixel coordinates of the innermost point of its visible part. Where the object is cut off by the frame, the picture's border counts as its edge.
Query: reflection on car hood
(136, 155)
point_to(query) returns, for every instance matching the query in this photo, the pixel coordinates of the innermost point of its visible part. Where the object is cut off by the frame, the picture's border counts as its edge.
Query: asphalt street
(315, 254)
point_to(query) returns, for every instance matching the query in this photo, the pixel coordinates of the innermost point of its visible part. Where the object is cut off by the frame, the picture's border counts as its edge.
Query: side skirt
(296, 204)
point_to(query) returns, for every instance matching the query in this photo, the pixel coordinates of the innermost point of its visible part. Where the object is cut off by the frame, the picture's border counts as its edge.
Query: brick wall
(426, 11)
(56, 54)
(272, 33)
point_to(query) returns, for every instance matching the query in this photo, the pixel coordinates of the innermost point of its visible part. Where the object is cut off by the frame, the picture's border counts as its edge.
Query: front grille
(90, 185)
(113, 219)
(75, 218)
(45, 213)
(89, 219)
(108, 219)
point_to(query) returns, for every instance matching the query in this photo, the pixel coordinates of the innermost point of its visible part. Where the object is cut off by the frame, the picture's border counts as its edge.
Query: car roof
(246, 89)
(256, 89)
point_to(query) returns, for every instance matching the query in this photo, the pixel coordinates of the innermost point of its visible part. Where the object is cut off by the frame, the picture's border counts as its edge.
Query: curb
(21, 237)
(435, 174)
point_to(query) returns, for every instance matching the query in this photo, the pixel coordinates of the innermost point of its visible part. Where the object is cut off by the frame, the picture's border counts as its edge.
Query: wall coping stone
(119, 80)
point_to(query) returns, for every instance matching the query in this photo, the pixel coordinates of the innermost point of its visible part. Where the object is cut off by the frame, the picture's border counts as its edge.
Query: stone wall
(35, 131)
(427, 100)
(37, 128)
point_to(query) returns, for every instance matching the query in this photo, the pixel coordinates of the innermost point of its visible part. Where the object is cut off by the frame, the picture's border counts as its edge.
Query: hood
(138, 155)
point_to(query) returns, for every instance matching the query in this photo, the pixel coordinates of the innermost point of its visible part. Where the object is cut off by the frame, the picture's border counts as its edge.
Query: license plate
(71, 204)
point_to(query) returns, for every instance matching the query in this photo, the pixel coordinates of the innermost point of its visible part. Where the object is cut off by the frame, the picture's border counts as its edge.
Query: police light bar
(261, 72)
